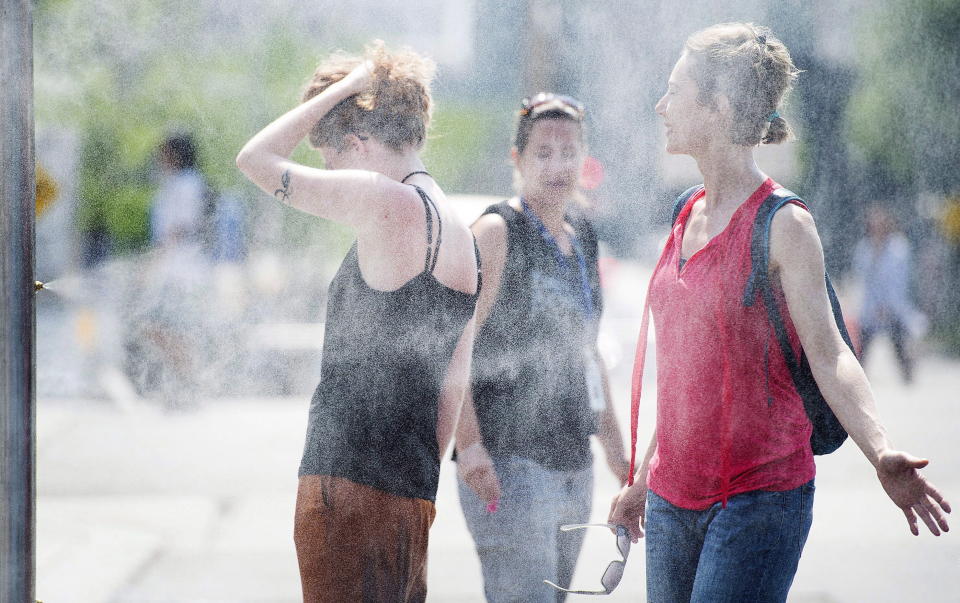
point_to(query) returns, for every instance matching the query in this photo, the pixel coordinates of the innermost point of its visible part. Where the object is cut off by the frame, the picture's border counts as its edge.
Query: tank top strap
(433, 252)
(476, 252)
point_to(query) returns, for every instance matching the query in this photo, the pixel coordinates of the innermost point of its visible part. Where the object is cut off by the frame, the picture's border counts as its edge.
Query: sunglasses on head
(529, 105)
(614, 572)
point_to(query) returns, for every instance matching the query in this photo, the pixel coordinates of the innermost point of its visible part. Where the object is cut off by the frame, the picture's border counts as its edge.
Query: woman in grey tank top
(538, 384)
(387, 402)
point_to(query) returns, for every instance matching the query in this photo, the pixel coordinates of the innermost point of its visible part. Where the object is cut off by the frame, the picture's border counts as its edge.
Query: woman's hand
(900, 477)
(358, 80)
(475, 467)
(620, 467)
(628, 509)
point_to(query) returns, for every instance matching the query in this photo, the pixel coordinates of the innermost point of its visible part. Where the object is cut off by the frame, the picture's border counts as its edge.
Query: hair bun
(752, 68)
(777, 132)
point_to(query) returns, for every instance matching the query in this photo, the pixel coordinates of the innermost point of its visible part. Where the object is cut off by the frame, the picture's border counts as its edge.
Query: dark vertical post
(17, 412)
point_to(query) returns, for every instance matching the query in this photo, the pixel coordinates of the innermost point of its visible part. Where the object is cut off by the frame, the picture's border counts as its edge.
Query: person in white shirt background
(883, 265)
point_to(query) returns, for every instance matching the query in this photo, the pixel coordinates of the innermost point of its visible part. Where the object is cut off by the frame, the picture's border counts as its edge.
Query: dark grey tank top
(373, 417)
(528, 373)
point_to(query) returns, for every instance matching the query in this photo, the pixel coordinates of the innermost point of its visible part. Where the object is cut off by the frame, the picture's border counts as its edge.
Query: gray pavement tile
(216, 576)
(259, 522)
(89, 547)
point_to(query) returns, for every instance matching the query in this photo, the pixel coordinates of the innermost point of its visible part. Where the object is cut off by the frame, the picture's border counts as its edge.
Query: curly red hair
(395, 110)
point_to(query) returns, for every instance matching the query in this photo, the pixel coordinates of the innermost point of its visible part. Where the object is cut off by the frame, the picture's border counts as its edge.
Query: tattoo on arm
(283, 193)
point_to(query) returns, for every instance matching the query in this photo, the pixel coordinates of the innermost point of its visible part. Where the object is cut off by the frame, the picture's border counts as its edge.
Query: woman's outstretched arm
(357, 198)
(796, 256)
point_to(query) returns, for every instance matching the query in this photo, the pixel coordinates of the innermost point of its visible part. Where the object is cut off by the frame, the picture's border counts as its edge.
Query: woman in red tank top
(724, 491)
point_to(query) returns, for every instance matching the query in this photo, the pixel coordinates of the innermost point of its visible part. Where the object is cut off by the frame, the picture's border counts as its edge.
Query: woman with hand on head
(399, 326)
(538, 388)
(725, 490)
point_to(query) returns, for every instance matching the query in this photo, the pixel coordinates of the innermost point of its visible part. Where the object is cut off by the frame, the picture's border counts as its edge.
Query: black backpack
(828, 434)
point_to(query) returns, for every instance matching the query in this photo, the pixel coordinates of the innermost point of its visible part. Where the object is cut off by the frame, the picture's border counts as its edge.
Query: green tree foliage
(904, 114)
(122, 74)
(905, 125)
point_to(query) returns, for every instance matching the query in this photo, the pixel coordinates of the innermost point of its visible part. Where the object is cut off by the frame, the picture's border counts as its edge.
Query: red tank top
(729, 419)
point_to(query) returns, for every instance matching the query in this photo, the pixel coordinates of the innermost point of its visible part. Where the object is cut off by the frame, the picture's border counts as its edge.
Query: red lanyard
(637, 384)
(638, 362)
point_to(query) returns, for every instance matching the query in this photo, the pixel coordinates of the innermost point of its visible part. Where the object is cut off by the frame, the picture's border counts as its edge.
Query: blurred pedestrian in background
(883, 265)
(164, 347)
(177, 208)
(399, 325)
(539, 387)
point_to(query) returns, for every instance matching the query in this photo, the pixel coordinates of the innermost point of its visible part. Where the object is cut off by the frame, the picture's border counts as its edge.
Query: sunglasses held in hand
(614, 572)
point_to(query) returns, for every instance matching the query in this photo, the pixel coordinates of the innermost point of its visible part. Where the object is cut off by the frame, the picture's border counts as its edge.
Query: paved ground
(139, 505)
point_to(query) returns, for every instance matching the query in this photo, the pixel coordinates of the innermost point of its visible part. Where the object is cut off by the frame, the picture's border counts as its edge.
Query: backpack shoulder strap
(681, 201)
(760, 242)
(838, 314)
(759, 279)
(828, 433)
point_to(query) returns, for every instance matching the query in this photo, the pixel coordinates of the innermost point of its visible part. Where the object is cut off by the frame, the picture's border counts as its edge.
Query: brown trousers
(357, 543)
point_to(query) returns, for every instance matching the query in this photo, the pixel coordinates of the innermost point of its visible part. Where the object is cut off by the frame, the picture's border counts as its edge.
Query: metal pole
(17, 381)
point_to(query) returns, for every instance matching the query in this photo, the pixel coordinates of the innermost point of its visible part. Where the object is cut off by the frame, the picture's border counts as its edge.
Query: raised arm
(358, 198)
(796, 256)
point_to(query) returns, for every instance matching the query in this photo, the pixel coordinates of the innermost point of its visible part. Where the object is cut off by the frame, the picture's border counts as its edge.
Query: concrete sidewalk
(139, 505)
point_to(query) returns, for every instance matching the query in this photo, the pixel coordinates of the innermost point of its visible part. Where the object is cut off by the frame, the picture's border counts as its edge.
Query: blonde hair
(753, 69)
(395, 110)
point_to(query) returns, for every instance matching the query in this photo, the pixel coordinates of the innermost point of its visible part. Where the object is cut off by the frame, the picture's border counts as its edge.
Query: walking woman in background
(538, 388)
(883, 265)
(726, 487)
(399, 328)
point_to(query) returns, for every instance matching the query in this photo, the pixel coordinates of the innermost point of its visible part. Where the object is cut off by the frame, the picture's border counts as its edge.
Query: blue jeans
(520, 545)
(748, 551)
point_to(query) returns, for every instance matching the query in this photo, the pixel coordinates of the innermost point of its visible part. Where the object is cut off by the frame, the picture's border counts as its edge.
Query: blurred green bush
(122, 75)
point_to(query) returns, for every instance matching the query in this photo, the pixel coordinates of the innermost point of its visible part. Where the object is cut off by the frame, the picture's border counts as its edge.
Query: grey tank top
(373, 417)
